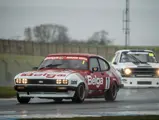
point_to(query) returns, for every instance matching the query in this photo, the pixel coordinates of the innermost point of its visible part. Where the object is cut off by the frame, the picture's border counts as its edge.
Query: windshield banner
(66, 58)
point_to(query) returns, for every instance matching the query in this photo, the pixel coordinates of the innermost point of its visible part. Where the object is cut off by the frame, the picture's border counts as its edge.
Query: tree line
(56, 33)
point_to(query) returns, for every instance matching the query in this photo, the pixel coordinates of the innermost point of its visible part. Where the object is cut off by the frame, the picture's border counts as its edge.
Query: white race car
(138, 68)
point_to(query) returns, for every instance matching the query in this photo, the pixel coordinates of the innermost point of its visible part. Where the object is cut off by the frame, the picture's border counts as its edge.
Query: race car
(74, 76)
(138, 68)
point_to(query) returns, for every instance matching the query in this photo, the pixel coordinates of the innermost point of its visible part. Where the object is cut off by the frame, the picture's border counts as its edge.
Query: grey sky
(83, 17)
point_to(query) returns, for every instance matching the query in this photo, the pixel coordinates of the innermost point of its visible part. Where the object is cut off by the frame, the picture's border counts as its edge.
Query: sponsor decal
(66, 58)
(151, 54)
(47, 75)
(50, 75)
(61, 75)
(73, 81)
(26, 74)
(94, 80)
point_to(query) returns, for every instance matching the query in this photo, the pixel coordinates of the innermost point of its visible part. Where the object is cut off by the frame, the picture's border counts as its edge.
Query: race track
(127, 102)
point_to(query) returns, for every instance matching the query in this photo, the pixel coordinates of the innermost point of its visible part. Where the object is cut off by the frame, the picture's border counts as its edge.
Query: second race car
(138, 68)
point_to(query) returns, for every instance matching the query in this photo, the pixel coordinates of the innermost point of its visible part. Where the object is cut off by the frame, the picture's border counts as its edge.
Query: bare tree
(42, 33)
(62, 34)
(28, 34)
(100, 37)
(51, 33)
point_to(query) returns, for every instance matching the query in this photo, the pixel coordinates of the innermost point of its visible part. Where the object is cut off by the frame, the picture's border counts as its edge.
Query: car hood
(45, 74)
(140, 65)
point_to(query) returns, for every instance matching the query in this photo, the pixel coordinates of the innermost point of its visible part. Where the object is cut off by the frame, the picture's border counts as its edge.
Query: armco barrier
(42, 49)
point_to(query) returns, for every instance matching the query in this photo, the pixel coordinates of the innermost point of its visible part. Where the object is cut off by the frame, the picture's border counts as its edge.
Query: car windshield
(138, 57)
(64, 62)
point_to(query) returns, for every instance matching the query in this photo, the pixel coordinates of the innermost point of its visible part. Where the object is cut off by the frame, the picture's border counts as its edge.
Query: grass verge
(33, 60)
(147, 117)
(7, 92)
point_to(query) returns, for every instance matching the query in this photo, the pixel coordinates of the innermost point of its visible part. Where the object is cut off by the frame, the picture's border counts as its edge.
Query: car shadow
(66, 102)
(117, 102)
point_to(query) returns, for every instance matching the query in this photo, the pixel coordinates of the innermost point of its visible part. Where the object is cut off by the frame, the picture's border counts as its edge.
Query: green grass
(104, 118)
(33, 60)
(7, 92)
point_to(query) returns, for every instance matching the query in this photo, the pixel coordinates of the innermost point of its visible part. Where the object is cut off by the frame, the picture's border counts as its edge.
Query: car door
(104, 68)
(95, 79)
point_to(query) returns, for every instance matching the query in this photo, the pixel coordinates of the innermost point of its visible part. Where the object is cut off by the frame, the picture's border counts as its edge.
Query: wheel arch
(79, 78)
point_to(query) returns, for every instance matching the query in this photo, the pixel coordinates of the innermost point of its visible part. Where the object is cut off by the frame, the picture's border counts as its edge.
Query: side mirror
(94, 69)
(34, 68)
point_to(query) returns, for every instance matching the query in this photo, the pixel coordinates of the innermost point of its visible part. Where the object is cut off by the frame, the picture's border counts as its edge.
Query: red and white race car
(69, 76)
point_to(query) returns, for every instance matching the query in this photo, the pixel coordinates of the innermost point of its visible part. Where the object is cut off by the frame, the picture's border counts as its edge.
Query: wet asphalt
(127, 100)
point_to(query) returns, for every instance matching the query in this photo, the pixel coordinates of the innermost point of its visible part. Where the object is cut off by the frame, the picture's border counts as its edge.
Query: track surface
(127, 100)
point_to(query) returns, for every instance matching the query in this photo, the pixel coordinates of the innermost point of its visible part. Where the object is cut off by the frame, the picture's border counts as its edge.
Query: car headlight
(157, 72)
(21, 81)
(127, 71)
(62, 81)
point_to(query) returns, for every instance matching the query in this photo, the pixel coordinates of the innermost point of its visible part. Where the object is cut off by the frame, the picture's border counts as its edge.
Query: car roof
(134, 50)
(76, 54)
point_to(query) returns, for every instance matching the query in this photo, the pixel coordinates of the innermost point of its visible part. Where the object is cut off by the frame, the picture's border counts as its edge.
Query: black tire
(111, 94)
(58, 100)
(23, 100)
(79, 94)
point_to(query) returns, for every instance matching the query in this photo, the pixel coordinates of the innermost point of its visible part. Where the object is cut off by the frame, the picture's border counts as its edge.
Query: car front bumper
(69, 94)
(121, 85)
(140, 82)
(45, 91)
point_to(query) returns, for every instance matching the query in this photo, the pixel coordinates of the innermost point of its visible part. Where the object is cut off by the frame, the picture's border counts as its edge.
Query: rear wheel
(79, 94)
(23, 100)
(58, 99)
(111, 94)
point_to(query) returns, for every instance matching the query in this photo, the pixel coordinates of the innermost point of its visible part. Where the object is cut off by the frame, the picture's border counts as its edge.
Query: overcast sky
(83, 17)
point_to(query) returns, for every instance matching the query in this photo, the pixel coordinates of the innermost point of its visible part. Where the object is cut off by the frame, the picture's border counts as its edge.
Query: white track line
(2, 99)
(7, 112)
(124, 113)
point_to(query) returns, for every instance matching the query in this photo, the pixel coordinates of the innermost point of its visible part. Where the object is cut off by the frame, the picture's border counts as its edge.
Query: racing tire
(23, 100)
(58, 100)
(111, 94)
(79, 94)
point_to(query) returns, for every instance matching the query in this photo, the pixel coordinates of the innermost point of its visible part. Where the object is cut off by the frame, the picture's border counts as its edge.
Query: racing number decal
(107, 83)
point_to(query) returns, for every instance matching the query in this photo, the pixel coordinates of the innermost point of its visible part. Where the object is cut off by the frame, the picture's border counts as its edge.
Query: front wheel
(23, 100)
(79, 94)
(111, 94)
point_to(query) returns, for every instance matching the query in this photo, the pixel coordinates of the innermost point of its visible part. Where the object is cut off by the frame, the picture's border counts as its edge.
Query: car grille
(144, 82)
(41, 81)
(144, 72)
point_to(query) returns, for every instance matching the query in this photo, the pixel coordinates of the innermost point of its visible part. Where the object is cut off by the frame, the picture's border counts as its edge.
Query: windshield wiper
(50, 66)
(136, 59)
